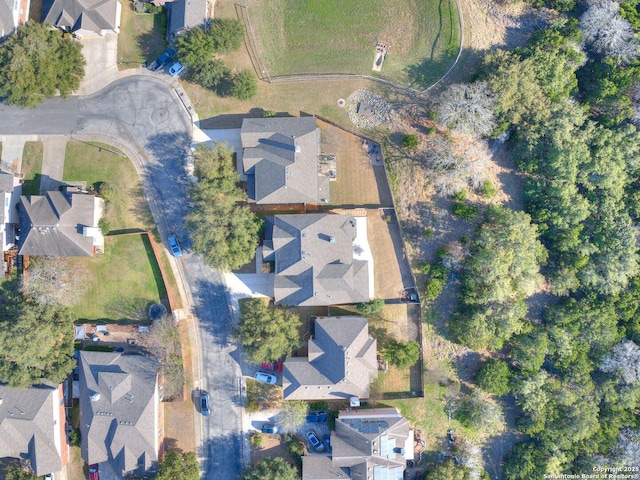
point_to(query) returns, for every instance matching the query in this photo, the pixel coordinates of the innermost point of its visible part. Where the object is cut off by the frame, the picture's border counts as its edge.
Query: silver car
(265, 378)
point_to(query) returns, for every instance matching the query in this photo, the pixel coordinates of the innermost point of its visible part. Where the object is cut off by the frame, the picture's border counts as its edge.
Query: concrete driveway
(101, 54)
(12, 148)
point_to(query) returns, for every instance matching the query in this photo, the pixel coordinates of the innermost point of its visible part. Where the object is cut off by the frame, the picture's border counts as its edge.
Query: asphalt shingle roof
(314, 262)
(91, 15)
(341, 362)
(27, 428)
(119, 410)
(53, 224)
(281, 154)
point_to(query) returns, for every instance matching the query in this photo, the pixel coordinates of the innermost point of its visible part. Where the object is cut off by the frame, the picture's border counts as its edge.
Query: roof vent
(95, 397)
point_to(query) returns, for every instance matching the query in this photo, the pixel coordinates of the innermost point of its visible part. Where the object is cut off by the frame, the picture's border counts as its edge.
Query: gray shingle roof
(363, 445)
(281, 154)
(6, 185)
(27, 427)
(119, 410)
(7, 23)
(314, 262)
(92, 15)
(53, 224)
(341, 362)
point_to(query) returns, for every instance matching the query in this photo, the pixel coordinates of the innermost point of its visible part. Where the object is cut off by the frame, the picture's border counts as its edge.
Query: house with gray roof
(10, 189)
(83, 18)
(341, 362)
(316, 260)
(120, 411)
(366, 445)
(280, 159)
(32, 423)
(61, 224)
(12, 14)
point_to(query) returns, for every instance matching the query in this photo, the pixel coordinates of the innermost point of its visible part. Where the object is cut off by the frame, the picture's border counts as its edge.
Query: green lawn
(142, 36)
(125, 281)
(331, 36)
(32, 167)
(94, 163)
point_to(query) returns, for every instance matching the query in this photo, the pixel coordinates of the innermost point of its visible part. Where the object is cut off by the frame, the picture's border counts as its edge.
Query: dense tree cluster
(267, 333)
(197, 49)
(38, 62)
(220, 226)
(271, 469)
(179, 466)
(573, 372)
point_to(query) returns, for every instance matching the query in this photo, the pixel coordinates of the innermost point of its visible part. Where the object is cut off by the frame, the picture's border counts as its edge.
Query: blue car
(175, 247)
(176, 69)
(204, 404)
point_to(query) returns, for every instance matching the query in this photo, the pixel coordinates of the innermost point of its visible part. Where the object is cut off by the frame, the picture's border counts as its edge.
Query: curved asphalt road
(144, 113)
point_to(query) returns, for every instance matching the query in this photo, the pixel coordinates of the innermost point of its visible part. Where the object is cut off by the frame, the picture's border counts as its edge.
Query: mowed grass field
(339, 36)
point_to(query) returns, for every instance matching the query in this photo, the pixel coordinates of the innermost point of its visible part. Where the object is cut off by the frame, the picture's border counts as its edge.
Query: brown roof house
(280, 159)
(341, 362)
(120, 411)
(10, 189)
(366, 445)
(32, 423)
(316, 260)
(61, 224)
(83, 18)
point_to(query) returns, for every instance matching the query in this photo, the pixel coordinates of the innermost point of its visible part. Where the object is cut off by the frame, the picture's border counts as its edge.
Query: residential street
(145, 114)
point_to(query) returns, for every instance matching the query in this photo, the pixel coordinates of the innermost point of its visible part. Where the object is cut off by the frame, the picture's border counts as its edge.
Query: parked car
(269, 428)
(176, 69)
(162, 60)
(175, 247)
(93, 472)
(265, 378)
(204, 404)
(317, 417)
(49, 476)
(315, 442)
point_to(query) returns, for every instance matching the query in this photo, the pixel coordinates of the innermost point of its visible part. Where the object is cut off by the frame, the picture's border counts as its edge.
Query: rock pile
(367, 110)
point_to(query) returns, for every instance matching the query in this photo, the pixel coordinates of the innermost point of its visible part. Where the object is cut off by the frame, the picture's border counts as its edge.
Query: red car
(93, 472)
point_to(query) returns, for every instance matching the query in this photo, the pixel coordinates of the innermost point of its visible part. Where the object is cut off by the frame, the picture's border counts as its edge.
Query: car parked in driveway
(265, 378)
(176, 69)
(175, 246)
(93, 472)
(317, 417)
(269, 428)
(315, 442)
(204, 404)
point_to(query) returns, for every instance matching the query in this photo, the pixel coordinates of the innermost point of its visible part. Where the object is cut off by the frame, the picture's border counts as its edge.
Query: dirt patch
(272, 446)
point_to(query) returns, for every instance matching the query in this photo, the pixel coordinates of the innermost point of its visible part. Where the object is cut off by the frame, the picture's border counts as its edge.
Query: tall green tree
(179, 466)
(221, 227)
(267, 333)
(38, 62)
(226, 34)
(271, 469)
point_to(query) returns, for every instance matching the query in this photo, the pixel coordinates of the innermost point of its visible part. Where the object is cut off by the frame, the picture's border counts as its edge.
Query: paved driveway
(143, 112)
(101, 54)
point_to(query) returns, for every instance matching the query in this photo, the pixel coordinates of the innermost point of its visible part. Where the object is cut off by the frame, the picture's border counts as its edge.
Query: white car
(265, 378)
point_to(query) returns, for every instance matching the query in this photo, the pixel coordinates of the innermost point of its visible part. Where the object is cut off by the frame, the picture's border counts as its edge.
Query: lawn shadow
(32, 186)
(171, 445)
(155, 267)
(153, 43)
(428, 71)
(233, 120)
(128, 310)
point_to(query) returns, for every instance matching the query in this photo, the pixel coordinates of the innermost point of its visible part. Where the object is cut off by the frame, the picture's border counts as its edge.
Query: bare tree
(164, 344)
(604, 30)
(292, 415)
(625, 359)
(467, 108)
(54, 281)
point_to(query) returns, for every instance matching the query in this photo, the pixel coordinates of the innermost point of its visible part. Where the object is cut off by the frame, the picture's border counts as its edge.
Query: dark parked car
(204, 404)
(162, 60)
(317, 417)
(269, 428)
(175, 247)
(93, 472)
(315, 442)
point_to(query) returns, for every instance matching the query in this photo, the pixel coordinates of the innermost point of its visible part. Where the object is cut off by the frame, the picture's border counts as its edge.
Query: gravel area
(367, 110)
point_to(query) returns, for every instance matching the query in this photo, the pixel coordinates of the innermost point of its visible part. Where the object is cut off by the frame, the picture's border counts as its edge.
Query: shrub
(104, 226)
(433, 289)
(441, 253)
(460, 195)
(431, 131)
(464, 240)
(74, 437)
(410, 141)
(243, 85)
(488, 190)
(439, 271)
(428, 233)
(257, 439)
(401, 354)
(464, 211)
(268, 114)
(494, 376)
(371, 308)
(425, 267)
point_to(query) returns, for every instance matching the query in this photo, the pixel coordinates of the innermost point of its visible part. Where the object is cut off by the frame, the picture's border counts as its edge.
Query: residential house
(12, 14)
(183, 15)
(83, 18)
(366, 445)
(341, 362)
(61, 224)
(318, 259)
(120, 411)
(32, 427)
(280, 159)
(10, 189)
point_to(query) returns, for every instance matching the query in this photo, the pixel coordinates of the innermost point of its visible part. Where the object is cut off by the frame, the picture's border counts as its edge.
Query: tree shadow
(222, 456)
(153, 43)
(170, 444)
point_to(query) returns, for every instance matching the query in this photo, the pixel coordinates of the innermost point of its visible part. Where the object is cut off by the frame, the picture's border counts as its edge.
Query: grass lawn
(95, 163)
(126, 280)
(32, 167)
(308, 36)
(142, 36)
